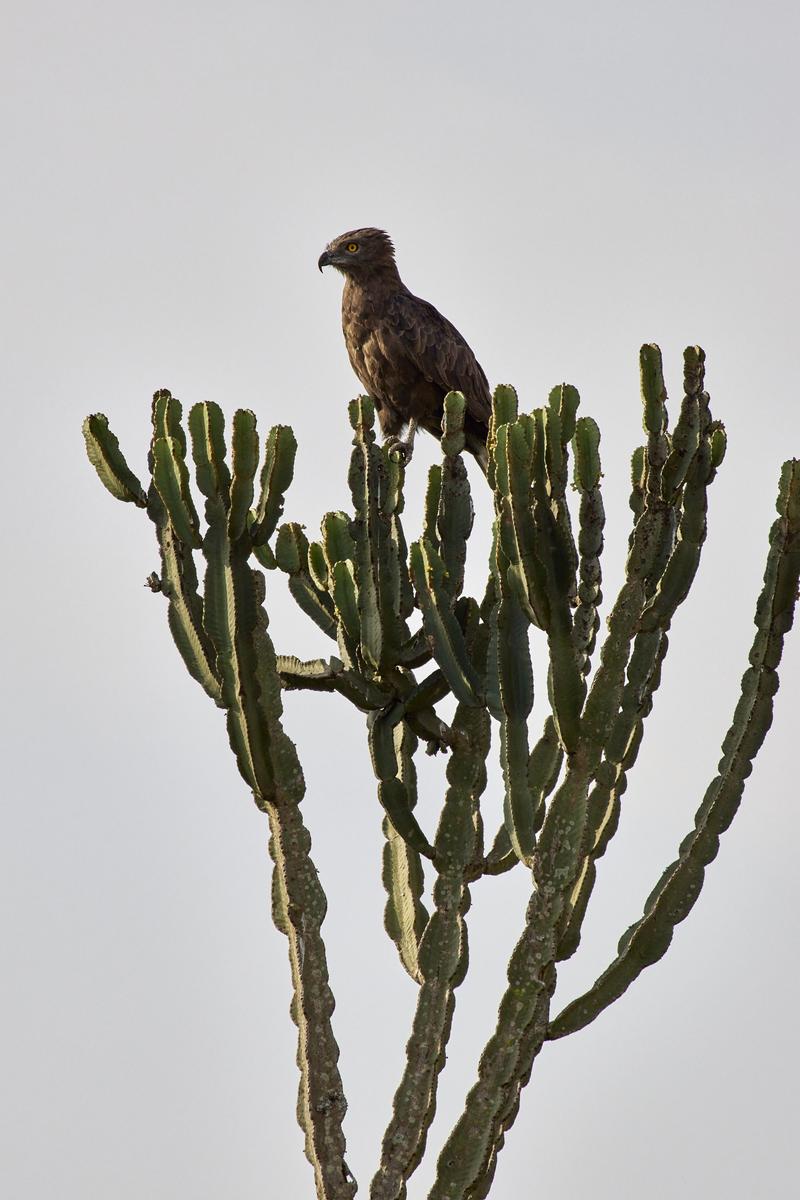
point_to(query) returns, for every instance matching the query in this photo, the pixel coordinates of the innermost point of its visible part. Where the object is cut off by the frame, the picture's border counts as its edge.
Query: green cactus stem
(393, 793)
(276, 477)
(291, 555)
(455, 513)
(446, 638)
(442, 959)
(586, 476)
(178, 580)
(509, 629)
(689, 497)
(108, 460)
(405, 915)
(366, 466)
(678, 888)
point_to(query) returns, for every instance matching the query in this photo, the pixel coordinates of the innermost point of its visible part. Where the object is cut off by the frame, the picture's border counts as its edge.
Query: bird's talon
(404, 450)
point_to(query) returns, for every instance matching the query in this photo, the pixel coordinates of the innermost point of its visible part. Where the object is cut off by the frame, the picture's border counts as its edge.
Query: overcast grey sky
(564, 182)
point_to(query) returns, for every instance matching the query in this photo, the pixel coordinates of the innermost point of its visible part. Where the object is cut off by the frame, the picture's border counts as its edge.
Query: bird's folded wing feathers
(440, 353)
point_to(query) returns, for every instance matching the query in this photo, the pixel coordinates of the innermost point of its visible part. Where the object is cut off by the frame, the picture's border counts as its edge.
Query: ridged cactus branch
(586, 476)
(679, 887)
(555, 547)
(511, 654)
(276, 476)
(366, 466)
(405, 915)
(178, 581)
(108, 460)
(291, 555)
(544, 766)
(445, 635)
(442, 959)
(454, 511)
(692, 470)
(393, 793)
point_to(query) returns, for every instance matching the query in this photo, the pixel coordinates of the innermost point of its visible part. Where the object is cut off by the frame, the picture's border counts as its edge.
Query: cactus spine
(407, 638)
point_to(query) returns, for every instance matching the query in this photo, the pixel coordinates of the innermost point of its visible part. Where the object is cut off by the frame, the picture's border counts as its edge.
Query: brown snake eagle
(405, 353)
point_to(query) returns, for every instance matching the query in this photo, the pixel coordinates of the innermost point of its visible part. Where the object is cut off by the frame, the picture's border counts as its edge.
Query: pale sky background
(564, 182)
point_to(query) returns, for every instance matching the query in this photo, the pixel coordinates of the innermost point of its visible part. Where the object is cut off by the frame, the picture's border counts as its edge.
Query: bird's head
(360, 252)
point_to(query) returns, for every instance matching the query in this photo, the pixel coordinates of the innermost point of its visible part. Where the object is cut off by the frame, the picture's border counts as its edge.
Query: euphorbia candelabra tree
(393, 611)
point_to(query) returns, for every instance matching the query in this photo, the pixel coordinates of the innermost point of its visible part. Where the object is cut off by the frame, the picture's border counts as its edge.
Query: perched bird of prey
(405, 353)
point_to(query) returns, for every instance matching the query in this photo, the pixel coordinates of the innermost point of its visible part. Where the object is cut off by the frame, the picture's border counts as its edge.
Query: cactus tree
(405, 637)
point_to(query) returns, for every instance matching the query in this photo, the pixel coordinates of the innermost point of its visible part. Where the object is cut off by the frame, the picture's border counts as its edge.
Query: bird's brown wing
(440, 353)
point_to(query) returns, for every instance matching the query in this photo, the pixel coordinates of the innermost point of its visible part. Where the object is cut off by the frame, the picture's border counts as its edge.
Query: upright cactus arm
(405, 915)
(676, 892)
(178, 579)
(366, 466)
(505, 407)
(171, 479)
(587, 475)
(244, 455)
(171, 509)
(654, 533)
(688, 496)
(108, 460)
(338, 553)
(534, 533)
(509, 639)
(291, 553)
(396, 590)
(544, 767)
(276, 476)
(455, 513)
(207, 430)
(442, 959)
(515, 527)
(560, 423)
(441, 626)
(555, 548)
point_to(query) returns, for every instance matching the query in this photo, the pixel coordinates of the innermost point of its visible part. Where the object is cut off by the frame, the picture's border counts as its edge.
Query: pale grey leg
(404, 445)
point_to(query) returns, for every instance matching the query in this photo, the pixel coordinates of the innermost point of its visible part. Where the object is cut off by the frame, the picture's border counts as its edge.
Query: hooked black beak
(324, 260)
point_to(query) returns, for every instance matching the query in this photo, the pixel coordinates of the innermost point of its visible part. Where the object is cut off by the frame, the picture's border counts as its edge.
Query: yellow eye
(352, 247)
